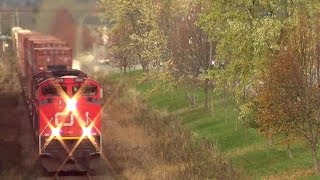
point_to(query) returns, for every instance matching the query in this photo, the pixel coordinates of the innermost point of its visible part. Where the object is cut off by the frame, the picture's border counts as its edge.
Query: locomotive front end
(69, 122)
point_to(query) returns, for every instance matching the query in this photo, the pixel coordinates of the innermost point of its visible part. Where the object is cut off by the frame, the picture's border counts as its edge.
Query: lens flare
(71, 105)
(55, 132)
(86, 131)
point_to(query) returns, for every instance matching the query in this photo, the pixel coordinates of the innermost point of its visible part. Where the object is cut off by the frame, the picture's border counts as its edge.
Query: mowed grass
(245, 147)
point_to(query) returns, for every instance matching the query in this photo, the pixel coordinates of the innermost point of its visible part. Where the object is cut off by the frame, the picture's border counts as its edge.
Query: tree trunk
(225, 102)
(318, 63)
(270, 139)
(145, 66)
(206, 87)
(212, 112)
(289, 150)
(237, 124)
(246, 133)
(194, 98)
(315, 158)
(158, 67)
(190, 100)
(125, 70)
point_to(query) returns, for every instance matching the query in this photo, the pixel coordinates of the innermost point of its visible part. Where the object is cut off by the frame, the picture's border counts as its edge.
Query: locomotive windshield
(88, 90)
(52, 91)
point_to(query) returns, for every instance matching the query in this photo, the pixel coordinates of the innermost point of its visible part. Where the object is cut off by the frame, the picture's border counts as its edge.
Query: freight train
(64, 104)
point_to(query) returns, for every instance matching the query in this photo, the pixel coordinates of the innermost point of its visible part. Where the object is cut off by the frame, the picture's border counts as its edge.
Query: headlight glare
(71, 104)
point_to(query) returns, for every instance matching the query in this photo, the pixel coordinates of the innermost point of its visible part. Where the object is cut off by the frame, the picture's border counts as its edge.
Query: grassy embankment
(147, 143)
(251, 153)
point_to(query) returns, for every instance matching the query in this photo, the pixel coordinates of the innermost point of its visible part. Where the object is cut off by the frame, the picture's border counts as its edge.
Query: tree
(249, 34)
(192, 52)
(141, 28)
(121, 48)
(288, 99)
(276, 100)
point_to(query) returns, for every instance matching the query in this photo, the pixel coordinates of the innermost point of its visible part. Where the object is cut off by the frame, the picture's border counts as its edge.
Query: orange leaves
(279, 96)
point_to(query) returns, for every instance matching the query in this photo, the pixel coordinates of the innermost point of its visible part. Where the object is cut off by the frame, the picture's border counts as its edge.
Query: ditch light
(55, 132)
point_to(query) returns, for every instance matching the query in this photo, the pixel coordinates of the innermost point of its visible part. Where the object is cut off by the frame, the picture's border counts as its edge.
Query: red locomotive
(64, 104)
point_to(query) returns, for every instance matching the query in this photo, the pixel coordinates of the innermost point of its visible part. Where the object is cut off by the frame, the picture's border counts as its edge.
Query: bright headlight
(86, 131)
(55, 132)
(71, 105)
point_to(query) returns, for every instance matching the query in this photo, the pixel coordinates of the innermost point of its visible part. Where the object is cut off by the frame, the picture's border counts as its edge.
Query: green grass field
(248, 151)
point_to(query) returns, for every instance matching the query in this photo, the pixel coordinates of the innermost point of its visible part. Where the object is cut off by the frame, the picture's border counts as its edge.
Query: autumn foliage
(288, 98)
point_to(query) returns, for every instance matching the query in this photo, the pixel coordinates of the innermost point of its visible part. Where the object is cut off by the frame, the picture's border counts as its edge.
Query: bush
(9, 81)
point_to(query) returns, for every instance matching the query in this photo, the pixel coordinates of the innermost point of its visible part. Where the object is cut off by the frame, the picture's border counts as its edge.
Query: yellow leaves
(140, 39)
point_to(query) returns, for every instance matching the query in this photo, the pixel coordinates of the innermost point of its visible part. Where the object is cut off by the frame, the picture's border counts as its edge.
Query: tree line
(264, 53)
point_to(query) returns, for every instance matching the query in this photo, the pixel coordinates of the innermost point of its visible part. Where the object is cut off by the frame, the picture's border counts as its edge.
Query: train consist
(64, 105)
